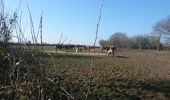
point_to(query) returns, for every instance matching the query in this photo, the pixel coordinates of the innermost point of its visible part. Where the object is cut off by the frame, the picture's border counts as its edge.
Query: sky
(77, 19)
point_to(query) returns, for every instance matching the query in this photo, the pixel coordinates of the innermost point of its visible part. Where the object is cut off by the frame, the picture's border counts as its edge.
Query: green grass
(38, 47)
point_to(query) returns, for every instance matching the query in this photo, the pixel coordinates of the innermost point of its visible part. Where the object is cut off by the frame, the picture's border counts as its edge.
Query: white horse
(110, 52)
(77, 49)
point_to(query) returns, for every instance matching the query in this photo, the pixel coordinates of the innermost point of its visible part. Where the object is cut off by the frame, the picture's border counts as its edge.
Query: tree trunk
(158, 44)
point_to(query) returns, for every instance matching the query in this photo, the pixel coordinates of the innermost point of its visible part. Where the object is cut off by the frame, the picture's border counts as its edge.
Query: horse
(65, 46)
(59, 46)
(105, 47)
(102, 47)
(78, 48)
(68, 46)
(111, 51)
(87, 48)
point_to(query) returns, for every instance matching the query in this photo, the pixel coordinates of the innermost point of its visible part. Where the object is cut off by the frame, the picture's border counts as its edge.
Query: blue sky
(77, 19)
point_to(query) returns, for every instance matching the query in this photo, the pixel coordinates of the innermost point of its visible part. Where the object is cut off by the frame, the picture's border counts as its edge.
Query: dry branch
(93, 58)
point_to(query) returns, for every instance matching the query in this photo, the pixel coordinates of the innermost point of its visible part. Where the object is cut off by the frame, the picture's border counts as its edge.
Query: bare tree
(7, 24)
(162, 29)
(103, 42)
(118, 39)
(153, 42)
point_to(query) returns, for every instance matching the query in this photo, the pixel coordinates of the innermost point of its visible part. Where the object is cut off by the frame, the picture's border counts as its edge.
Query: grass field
(131, 74)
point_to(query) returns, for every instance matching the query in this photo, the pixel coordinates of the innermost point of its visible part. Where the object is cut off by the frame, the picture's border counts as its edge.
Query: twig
(97, 29)
(32, 28)
(43, 73)
(60, 38)
(64, 40)
(68, 94)
(93, 58)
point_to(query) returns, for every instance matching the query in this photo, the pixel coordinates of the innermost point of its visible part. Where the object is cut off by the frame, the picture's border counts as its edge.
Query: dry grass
(132, 74)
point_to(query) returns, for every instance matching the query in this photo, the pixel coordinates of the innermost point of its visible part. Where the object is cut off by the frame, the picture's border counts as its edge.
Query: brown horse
(104, 47)
(88, 48)
(107, 48)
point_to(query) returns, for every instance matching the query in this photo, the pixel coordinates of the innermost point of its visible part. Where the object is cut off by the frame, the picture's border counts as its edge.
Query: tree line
(159, 39)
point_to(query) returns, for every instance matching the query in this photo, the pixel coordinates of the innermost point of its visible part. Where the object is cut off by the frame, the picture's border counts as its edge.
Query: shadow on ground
(122, 57)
